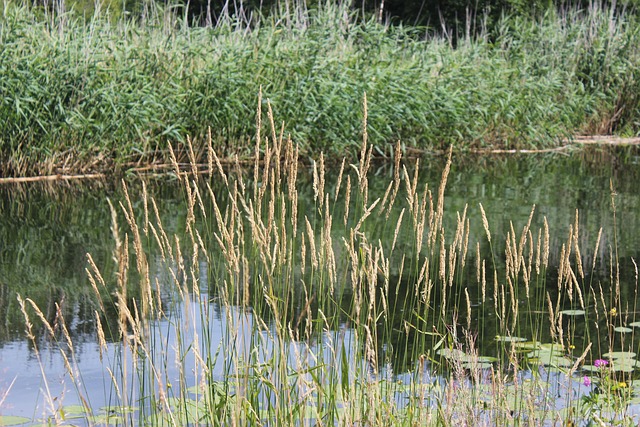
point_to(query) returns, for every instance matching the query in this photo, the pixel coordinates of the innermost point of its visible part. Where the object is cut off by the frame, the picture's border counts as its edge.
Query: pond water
(46, 232)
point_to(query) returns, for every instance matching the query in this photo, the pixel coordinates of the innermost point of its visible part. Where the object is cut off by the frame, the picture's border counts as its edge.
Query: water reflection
(47, 231)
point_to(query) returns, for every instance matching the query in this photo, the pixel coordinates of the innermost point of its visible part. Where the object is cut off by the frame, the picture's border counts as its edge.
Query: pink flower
(586, 381)
(600, 363)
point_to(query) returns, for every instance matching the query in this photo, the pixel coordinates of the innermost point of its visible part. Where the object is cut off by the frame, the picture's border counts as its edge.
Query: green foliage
(122, 89)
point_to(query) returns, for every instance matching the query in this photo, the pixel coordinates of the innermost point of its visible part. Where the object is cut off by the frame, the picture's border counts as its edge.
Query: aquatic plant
(328, 322)
(85, 95)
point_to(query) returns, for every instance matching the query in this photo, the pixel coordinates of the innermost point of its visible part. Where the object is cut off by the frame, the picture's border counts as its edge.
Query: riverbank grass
(355, 310)
(95, 94)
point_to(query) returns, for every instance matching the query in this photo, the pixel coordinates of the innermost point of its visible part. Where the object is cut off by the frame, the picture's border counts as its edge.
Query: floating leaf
(573, 312)
(451, 353)
(554, 413)
(486, 359)
(118, 409)
(510, 339)
(624, 365)
(635, 324)
(622, 329)
(477, 365)
(619, 355)
(516, 397)
(553, 348)
(549, 358)
(106, 420)
(12, 420)
(527, 345)
(74, 411)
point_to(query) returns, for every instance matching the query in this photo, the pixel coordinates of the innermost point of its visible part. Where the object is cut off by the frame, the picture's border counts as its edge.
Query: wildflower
(619, 386)
(586, 381)
(600, 363)
(613, 312)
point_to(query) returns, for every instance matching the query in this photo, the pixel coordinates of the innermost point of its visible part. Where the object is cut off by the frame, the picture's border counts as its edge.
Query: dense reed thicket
(85, 95)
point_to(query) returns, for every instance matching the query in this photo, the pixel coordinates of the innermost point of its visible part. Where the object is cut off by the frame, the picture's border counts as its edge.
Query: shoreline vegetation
(105, 95)
(578, 143)
(329, 322)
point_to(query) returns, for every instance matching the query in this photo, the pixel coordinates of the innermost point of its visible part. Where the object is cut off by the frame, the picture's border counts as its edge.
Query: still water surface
(46, 232)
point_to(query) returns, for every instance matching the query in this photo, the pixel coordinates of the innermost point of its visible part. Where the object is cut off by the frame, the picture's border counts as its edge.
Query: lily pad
(553, 348)
(527, 345)
(635, 324)
(619, 355)
(618, 365)
(549, 358)
(478, 365)
(510, 339)
(624, 365)
(573, 312)
(517, 397)
(74, 411)
(106, 420)
(622, 329)
(486, 359)
(451, 353)
(118, 409)
(12, 420)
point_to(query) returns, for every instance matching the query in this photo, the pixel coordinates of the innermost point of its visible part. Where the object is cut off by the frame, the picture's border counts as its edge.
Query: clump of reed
(89, 94)
(326, 321)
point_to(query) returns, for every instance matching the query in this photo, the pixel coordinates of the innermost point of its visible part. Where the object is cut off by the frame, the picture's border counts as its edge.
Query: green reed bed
(329, 322)
(81, 94)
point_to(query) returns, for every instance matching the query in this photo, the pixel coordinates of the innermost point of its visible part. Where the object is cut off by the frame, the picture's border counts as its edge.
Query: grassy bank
(82, 96)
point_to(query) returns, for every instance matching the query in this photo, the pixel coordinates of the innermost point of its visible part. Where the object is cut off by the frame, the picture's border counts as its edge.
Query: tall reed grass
(86, 94)
(327, 323)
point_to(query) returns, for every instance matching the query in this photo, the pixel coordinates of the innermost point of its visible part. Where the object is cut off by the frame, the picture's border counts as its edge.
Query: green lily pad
(486, 359)
(477, 365)
(451, 353)
(217, 386)
(573, 312)
(106, 420)
(549, 358)
(527, 345)
(553, 348)
(624, 365)
(118, 409)
(510, 339)
(635, 324)
(622, 329)
(618, 365)
(12, 420)
(516, 396)
(619, 355)
(74, 411)
(554, 413)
